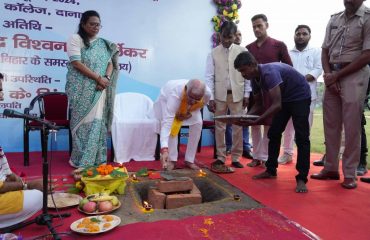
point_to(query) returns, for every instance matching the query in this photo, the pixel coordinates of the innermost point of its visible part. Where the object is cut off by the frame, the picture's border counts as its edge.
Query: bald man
(179, 104)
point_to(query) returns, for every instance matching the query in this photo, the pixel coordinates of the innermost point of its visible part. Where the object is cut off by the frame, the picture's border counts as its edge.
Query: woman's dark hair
(84, 18)
(1, 75)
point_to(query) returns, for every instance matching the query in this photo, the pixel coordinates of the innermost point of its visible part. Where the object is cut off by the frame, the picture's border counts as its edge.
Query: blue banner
(158, 40)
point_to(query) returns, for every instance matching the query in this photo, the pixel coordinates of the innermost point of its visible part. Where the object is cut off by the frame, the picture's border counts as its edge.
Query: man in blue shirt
(280, 92)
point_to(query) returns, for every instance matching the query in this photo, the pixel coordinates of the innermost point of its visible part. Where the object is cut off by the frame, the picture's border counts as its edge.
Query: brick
(175, 186)
(156, 198)
(181, 200)
(195, 190)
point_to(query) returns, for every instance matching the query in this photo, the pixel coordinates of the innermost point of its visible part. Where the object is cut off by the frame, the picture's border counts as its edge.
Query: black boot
(320, 162)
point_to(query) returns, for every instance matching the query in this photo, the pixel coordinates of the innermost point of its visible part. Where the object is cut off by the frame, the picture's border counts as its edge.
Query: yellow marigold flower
(204, 231)
(230, 15)
(234, 6)
(208, 221)
(225, 13)
(78, 185)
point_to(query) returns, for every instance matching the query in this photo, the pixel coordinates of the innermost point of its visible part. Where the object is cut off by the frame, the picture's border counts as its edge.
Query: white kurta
(165, 109)
(306, 62)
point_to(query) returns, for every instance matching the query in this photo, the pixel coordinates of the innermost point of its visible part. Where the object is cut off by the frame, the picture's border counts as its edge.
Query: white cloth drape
(134, 128)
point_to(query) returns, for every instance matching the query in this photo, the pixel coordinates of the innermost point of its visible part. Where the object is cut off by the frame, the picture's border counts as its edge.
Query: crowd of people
(264, 78)
(287, 96)
(279, 85)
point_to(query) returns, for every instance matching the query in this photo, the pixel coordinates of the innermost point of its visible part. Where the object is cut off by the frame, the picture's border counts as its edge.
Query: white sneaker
(285, 159)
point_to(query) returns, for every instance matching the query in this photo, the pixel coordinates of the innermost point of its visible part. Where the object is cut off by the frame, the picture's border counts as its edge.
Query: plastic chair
(52, 106)
(134, 128)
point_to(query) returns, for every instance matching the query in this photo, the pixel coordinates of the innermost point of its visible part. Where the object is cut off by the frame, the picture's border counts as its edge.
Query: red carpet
(244, 224)
(328, 210)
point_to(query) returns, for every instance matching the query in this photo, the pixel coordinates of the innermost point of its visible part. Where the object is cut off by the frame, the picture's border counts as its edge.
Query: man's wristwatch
(107, 77)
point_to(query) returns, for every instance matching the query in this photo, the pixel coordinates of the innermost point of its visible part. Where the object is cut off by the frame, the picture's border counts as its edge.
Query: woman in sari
(91, 81)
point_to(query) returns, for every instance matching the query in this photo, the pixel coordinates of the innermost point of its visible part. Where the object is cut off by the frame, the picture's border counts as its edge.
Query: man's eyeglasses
(92, 24)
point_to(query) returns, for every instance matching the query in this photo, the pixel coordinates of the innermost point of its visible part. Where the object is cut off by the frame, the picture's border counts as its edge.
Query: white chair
(134, 128)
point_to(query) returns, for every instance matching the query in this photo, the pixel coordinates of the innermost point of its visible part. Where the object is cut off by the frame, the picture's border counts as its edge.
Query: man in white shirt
(307, 61)
(229, 91)
(179, 103)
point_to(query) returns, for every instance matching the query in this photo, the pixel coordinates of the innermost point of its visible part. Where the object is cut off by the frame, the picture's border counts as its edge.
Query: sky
(285, 15)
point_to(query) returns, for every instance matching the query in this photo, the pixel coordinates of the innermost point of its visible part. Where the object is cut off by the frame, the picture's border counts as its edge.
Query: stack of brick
(174, 194)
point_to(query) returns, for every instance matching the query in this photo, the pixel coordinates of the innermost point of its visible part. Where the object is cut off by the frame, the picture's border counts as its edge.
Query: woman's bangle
(107, 76)
(164, 149)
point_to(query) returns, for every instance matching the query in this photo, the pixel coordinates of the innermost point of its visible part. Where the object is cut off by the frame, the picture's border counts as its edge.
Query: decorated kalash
(100, 185)
(105, 178)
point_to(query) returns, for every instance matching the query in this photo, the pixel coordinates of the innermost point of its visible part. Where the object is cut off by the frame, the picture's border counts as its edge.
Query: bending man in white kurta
(178, 104)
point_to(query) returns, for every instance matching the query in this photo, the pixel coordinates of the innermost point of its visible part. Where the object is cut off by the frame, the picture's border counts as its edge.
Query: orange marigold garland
(183, 109)
(103, 170)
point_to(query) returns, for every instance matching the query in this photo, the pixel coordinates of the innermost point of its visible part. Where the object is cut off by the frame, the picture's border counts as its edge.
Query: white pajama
(260, 142)
(191, 147)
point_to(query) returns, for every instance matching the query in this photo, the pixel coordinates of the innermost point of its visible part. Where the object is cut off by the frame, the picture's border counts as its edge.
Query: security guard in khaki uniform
(345, 55)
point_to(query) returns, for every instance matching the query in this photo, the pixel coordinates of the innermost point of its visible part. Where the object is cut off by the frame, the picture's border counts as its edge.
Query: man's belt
(229, 92)
(338, 66)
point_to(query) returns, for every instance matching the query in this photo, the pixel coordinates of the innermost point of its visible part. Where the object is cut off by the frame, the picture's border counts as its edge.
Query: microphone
(14, 114)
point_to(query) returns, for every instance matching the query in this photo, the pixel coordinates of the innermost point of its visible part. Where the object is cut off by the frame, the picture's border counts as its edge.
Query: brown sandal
(264, 175)
(221, 168)
(254, 163)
